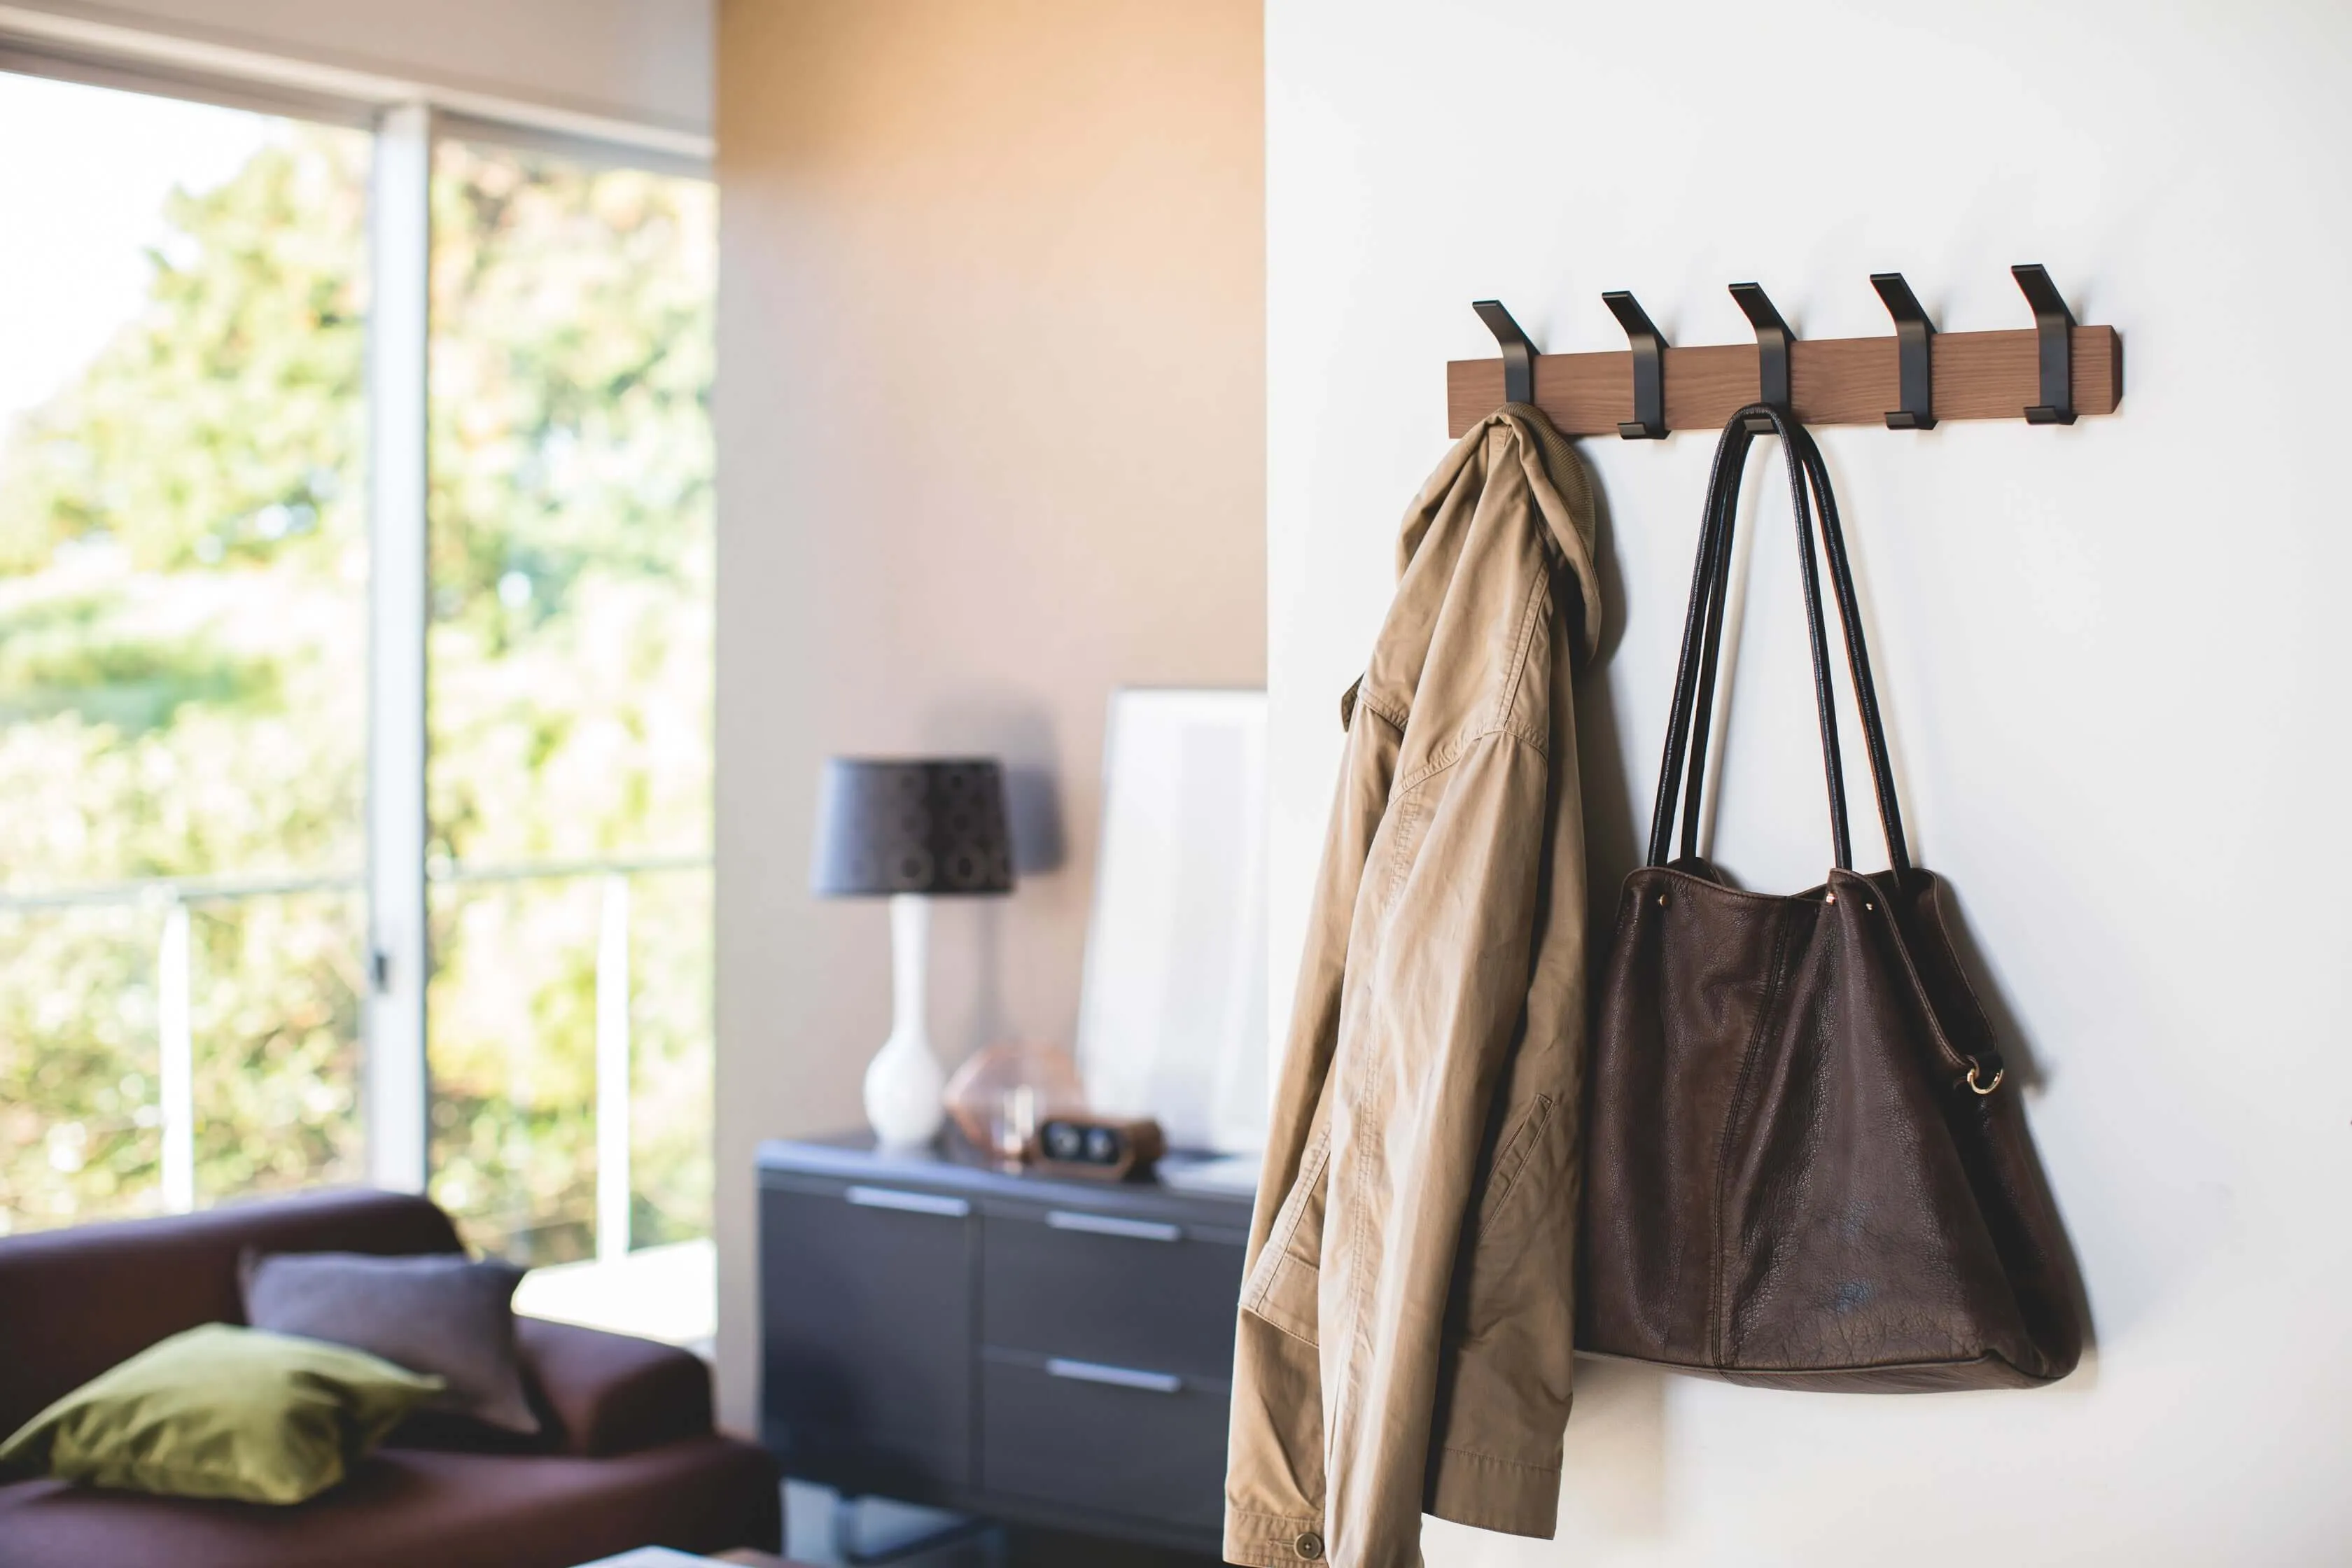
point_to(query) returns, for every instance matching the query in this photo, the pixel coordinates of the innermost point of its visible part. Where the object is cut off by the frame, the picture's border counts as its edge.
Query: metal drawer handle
(908, 1202)
(1111, 1225)
(1117, 1376)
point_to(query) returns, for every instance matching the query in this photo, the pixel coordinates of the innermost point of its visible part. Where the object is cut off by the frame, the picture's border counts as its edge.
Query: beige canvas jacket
(1406, 1330)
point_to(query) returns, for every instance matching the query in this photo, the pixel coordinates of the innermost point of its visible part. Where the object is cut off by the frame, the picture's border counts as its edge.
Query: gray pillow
(439, 1315)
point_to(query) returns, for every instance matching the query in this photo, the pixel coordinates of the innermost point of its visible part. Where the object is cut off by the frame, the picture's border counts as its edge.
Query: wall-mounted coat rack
(2045, 375)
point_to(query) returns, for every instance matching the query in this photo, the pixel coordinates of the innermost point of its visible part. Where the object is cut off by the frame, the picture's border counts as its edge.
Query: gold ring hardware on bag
(1976, 1066)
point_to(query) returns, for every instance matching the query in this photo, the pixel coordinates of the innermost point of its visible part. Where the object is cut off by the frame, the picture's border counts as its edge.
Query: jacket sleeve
(1442, 982)
(1508, 1363)
(1273, 1474)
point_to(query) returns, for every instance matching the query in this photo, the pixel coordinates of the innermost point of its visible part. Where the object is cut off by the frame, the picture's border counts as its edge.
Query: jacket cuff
(1271, 1541)
(1494, 1494)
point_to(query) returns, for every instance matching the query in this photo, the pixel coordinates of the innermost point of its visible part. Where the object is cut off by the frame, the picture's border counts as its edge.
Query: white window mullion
(613, 1187)
(400, 246)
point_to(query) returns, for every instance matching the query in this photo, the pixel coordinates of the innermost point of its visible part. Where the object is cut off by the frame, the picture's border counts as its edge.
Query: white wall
(2114, 657)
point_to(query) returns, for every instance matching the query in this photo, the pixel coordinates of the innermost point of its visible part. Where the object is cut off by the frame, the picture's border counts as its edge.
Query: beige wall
(991, 421)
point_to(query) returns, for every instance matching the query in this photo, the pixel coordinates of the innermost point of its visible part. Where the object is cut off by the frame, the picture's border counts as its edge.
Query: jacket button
(1309, 1545)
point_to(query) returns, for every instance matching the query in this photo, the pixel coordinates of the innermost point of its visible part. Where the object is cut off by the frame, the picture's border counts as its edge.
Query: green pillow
(221, 1412)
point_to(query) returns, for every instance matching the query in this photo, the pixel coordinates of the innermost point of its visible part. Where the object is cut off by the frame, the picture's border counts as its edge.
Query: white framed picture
(1171, 1013)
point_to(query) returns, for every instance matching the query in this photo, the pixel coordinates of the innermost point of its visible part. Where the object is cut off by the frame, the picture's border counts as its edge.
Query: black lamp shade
(927, 825)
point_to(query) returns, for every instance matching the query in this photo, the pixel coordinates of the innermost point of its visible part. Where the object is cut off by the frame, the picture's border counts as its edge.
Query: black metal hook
(1912, 331)
(2056, 323)
(1773, 339)
(1519, 354)
(1649, 421)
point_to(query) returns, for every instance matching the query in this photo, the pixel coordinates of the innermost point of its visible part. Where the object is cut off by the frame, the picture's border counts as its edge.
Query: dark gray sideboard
(1048, 1351)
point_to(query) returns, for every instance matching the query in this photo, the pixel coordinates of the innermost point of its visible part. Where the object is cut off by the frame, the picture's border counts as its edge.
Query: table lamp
(909, 830)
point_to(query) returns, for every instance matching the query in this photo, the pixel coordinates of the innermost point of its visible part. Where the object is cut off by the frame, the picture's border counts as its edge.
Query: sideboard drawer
(1101, 1286)
(1039, 1349)
(1104, 1438)
(867, 1341)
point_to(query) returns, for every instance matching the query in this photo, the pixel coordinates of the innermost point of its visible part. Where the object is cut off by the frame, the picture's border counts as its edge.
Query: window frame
(397, 1098)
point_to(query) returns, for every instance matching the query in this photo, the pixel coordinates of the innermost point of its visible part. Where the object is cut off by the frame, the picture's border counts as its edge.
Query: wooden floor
(808, 1514)
(1051, 1549)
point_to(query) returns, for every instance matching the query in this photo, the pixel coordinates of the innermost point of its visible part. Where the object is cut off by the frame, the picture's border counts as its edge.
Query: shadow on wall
(1613, 1469)
(1020, 735)
(2024, 1066)
(1033, 808)
(1610, 849)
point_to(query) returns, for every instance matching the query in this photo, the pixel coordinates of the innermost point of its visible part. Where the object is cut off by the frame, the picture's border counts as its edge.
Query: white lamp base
(903, 1083)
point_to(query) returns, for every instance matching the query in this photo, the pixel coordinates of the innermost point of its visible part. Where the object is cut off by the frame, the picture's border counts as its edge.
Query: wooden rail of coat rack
(2047, 373)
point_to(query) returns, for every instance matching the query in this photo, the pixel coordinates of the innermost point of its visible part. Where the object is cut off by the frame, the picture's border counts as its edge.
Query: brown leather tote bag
(1804, 1166)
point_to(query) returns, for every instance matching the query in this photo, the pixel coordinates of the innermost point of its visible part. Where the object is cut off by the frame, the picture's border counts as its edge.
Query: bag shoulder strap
(1684, 768)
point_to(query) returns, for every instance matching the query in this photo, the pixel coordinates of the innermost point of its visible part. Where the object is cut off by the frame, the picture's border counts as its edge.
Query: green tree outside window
(183, 564)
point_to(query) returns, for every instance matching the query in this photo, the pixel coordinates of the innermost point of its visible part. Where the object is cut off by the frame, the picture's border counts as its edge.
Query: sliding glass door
(569, 701)
(184, 565)
(191, 1003)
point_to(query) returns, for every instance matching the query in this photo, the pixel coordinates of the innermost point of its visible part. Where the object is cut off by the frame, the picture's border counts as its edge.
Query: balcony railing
(176, 896)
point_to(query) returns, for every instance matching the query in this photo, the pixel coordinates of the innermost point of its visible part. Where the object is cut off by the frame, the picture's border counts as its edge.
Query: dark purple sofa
(630, 1457)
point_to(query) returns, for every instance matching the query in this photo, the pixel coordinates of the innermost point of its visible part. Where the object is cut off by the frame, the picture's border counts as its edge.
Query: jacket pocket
(1511, 1162)
(1281, 1288)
